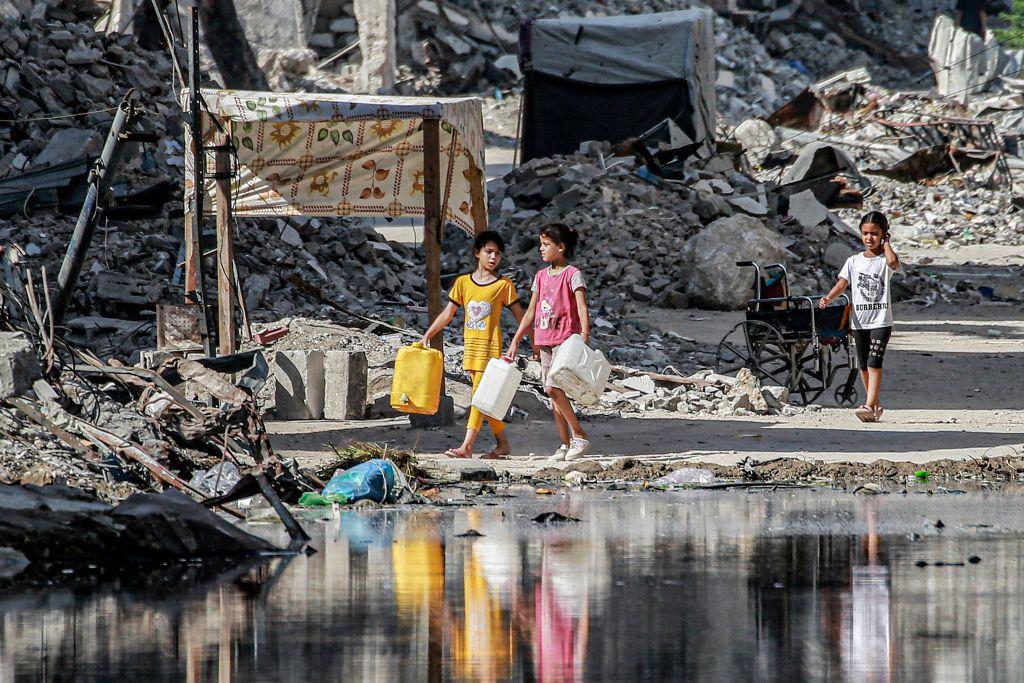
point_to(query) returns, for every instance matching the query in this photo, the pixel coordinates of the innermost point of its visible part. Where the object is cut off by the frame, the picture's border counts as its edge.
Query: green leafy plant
(1012, 35)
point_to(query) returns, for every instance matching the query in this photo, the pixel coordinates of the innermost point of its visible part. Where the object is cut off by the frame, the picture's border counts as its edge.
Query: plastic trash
(378, 480)
(416, 387)
(799, 66)
(497, 388)
(580, 371)
(217, 480)
(686, 475)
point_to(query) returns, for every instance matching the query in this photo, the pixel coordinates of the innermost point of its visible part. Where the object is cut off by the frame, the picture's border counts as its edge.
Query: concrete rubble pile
(58, 69)
(703, 393)
(670, 243)
(809, 37)
(466, 55)
(953, 195)
(750, 80)
(59, 86)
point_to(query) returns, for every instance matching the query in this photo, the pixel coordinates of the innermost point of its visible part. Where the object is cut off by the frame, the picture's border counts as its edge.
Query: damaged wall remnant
(375, 21)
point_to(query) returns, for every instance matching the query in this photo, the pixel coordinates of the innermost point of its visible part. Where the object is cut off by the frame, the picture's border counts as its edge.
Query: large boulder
(709, 260)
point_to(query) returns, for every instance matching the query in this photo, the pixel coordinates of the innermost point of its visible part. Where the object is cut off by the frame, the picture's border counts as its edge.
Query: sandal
(878, 413)
(457, 453)
(865, 414)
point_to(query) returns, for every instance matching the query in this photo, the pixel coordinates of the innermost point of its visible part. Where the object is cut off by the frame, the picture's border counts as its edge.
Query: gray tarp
(634, 49)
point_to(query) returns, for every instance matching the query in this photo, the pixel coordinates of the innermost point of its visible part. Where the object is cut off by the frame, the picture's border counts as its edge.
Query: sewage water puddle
(784, 585)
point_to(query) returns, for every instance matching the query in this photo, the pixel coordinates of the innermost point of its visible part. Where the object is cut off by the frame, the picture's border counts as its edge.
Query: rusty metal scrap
(971, 140)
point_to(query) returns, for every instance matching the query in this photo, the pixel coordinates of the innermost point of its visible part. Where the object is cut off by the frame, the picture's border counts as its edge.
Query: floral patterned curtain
(346, 155)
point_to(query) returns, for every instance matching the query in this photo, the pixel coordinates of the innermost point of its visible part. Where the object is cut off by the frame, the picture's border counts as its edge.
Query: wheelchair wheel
(760, 348)
(846, 395)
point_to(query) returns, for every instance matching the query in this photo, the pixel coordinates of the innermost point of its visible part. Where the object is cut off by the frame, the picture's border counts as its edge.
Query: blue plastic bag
(377, 480)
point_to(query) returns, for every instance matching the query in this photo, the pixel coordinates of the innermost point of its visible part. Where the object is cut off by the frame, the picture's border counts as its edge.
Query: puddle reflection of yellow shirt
(483, 649)
(482, 305)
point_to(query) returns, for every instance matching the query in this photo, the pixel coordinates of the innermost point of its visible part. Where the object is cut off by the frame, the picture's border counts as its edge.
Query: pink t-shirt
(557, 317)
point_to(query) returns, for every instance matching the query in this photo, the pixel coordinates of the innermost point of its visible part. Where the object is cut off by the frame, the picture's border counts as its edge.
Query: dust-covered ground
(951, 393)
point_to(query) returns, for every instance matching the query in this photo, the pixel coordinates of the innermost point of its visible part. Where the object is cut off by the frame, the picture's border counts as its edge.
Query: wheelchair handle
(744, 264)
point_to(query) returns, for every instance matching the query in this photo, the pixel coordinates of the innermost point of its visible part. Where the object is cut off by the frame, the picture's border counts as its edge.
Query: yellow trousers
(476, 418)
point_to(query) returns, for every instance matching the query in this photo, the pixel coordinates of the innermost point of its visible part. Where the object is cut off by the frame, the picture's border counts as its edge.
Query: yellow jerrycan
(417, 384)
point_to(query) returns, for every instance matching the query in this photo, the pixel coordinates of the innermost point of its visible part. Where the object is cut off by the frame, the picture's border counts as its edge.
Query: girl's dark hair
(488, 236)
(562, 234)
(878, 218)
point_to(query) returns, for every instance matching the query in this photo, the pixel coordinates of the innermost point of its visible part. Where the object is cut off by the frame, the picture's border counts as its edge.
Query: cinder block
(345, 382)
(19, 365)
(444, 417)
(299, 385)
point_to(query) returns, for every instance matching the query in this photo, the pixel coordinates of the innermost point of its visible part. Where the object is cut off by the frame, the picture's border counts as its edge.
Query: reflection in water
(794, 586)
(866, 614)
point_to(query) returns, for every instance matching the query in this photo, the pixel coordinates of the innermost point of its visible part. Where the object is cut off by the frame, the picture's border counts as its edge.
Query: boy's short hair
(562, 234)
(488, 236)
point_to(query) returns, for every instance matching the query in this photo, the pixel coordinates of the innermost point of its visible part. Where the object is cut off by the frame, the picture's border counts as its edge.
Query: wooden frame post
(226, 332)
(194, 203)
(478, 195)
(432, 225)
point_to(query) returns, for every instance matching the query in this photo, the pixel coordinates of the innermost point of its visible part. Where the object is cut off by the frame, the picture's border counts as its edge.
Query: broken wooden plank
(80, 446)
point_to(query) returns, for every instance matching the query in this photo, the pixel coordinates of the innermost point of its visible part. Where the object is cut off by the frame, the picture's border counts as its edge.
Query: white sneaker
(577, 448)
(559, 454)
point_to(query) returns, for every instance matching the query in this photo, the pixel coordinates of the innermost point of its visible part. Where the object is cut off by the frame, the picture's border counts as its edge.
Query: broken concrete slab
(68, 144)
(807, 210)
(19, 365)
(758, 138)
(273, 24)
(836, 255)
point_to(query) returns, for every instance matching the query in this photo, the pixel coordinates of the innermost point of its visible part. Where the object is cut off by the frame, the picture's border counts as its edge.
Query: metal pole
(99, 185)
(194, 287)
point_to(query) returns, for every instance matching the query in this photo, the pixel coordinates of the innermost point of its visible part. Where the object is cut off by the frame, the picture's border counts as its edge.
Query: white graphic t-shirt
(869, 291)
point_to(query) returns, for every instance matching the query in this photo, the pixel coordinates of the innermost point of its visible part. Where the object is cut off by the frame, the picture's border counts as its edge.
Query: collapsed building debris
(109, 430)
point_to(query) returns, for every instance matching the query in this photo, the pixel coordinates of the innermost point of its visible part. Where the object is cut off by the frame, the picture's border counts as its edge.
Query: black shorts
(870, 346)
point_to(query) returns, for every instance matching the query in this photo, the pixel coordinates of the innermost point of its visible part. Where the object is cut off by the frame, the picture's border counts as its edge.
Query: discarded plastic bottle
(686, 475)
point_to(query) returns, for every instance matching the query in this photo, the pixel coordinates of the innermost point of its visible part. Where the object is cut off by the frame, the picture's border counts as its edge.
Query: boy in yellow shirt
(484, 295)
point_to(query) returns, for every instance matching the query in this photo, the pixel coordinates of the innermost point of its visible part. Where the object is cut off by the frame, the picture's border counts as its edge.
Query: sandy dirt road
(953, 390)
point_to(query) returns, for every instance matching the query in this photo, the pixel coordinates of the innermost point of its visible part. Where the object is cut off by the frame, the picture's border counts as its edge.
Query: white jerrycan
(580, 371)
(497, 388)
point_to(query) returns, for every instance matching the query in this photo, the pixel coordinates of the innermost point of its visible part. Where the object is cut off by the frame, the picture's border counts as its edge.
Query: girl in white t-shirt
(867, 274)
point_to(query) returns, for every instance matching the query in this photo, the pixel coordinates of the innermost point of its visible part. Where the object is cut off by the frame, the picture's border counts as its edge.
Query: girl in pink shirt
(558, 310)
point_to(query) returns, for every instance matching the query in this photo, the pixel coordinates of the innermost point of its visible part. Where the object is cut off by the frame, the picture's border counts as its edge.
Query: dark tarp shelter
(611, 78)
